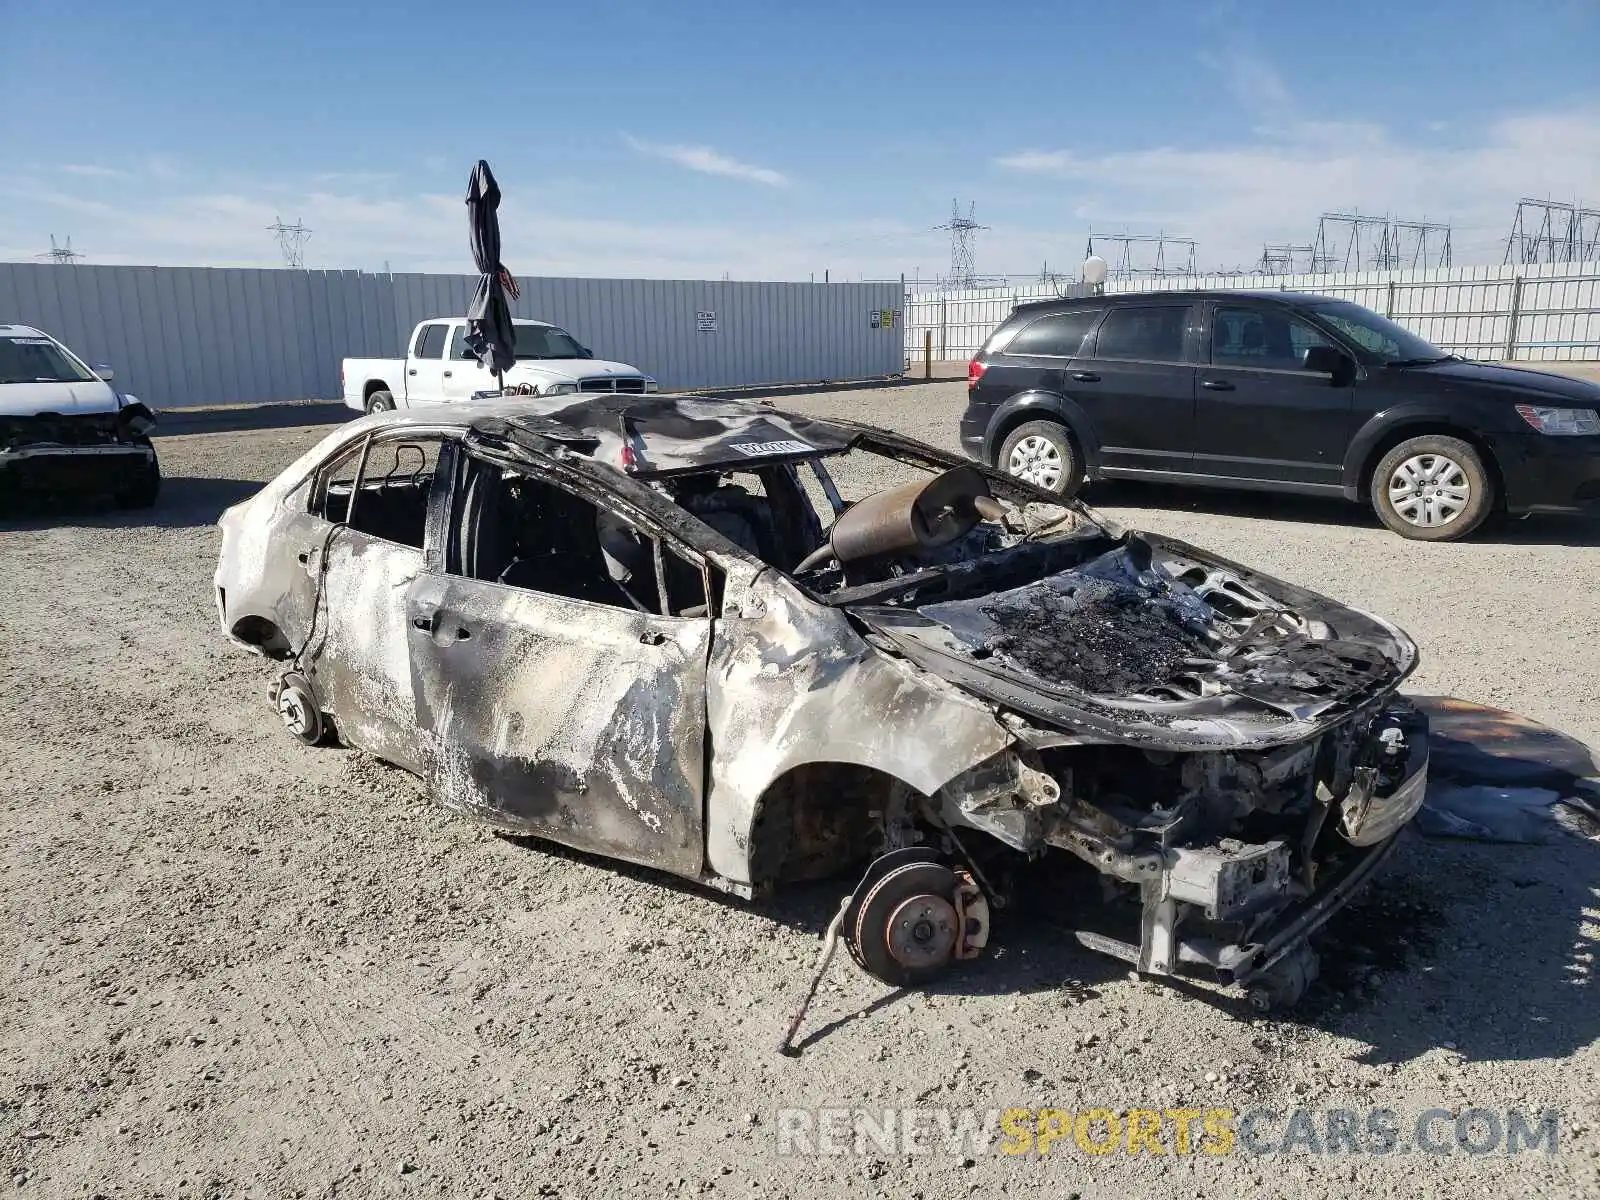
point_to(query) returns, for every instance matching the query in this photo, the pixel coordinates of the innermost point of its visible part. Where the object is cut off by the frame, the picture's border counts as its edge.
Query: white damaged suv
(64, 428)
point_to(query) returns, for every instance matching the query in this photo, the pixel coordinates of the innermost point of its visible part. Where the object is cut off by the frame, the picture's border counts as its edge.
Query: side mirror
(103, 370)
(1329, 360)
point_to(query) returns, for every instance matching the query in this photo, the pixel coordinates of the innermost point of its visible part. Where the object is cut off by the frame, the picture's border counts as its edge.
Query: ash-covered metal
(1103, 637)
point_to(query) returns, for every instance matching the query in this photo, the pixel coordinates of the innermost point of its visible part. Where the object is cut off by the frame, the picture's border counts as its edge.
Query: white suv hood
(68, 399)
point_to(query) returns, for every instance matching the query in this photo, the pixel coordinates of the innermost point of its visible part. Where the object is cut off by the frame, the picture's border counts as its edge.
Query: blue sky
(778, 139)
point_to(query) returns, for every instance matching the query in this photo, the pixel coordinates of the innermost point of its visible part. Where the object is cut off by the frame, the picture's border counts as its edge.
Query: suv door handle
(1086, 377)
(1216, 385)
(447, 374)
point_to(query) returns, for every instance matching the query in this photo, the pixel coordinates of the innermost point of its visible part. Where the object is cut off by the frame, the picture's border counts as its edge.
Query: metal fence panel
(1466, 310)
(197, 335)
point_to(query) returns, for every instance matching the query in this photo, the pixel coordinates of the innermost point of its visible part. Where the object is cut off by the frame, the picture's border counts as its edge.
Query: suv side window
(1149, 332)
(1254, 337)
(1059, 335)
(430, 343)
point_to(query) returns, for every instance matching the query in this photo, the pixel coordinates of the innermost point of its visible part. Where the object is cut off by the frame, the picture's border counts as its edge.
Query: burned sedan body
(751, 647)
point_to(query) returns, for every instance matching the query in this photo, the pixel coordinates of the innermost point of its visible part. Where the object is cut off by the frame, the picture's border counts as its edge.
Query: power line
(292, 241)
(1122, 260)
(1351, 241)
(963, 271)
(62, 255)
(1548, 231)
(1284, 259)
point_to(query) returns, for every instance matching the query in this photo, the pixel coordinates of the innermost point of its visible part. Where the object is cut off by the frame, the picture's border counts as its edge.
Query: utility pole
(292, 241)
(1121, 258)
(962, 257)
(63, 255)
(1549, 231)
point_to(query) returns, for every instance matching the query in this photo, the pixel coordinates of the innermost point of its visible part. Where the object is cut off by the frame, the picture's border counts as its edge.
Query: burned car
(751, 648)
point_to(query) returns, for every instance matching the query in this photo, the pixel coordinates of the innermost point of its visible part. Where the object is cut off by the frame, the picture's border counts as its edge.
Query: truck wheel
(142, 492)
(1042, 453)
(1432, 489)
(380, 401)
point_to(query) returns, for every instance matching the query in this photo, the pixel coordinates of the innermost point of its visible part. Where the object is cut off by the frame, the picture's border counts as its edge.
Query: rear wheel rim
(1038, 460)
(1429, 490)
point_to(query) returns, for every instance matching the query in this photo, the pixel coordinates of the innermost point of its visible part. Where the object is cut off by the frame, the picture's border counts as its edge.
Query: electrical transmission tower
(1547, 231)
(1348, 241)
(1121, 259)
(1284, 259)
(1420, 243)
(292, 241)
(961, 229)
(63, 255)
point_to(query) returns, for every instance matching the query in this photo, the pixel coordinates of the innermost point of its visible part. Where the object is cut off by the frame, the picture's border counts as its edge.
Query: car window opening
(392, 499)
(528, 533)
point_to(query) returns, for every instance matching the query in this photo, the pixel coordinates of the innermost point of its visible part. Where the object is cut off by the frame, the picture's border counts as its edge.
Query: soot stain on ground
(1101, 637)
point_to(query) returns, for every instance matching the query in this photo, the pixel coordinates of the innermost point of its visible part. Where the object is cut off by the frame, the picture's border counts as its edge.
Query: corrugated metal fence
(1541, 313)
(201, 335)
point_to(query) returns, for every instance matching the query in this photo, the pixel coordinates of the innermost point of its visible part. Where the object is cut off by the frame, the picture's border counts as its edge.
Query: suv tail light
(975, 370)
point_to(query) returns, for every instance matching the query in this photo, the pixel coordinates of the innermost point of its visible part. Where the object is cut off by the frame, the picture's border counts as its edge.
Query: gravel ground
(238, 967)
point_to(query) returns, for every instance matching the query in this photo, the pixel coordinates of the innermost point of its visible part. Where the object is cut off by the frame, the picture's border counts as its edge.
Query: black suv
(1279, 391)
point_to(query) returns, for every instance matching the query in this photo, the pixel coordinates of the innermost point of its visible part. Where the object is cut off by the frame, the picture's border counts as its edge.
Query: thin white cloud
(710, 162)
(90, 171)
(1251, 79)
(1273, 185)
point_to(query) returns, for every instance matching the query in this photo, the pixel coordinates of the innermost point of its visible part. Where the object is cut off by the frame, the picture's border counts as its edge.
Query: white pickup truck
(439, 369)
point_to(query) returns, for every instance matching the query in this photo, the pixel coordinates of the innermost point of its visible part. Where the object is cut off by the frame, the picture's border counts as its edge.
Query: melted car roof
(654, 436)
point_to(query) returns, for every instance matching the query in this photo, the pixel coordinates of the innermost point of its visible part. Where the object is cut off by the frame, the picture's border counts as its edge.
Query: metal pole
(1515, 315)
(927, 354)
(1388, 306)
(943, 330)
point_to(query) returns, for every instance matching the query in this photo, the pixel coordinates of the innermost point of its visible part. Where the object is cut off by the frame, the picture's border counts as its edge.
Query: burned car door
(559, 690)
(376, 510)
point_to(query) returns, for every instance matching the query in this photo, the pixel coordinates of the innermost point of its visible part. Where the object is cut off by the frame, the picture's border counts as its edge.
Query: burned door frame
(358, 582)
(574, 720)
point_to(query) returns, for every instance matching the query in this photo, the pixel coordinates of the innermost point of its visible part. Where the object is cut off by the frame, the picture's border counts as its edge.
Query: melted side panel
(361, 661)
(574, 721)
(791, 683)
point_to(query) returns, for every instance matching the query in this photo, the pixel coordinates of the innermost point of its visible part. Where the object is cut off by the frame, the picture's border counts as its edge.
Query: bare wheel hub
(922, 932)
(294, 711)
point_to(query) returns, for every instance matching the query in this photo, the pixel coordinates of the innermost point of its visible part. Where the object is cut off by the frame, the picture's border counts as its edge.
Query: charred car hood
(1159, 644)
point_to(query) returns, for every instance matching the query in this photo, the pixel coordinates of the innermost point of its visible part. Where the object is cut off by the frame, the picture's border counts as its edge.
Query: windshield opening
(38, 360)
(546, 341)
(1378, 335)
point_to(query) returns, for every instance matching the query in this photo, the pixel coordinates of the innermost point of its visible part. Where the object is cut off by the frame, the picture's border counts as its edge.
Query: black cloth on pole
(490, 334)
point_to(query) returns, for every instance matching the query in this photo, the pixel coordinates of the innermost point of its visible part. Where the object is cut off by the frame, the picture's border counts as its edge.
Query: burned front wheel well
(818, 819)
(263, 634)
(1394, 437)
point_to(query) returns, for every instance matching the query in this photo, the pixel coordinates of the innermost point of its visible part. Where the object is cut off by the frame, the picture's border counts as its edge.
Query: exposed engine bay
(657, 629)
